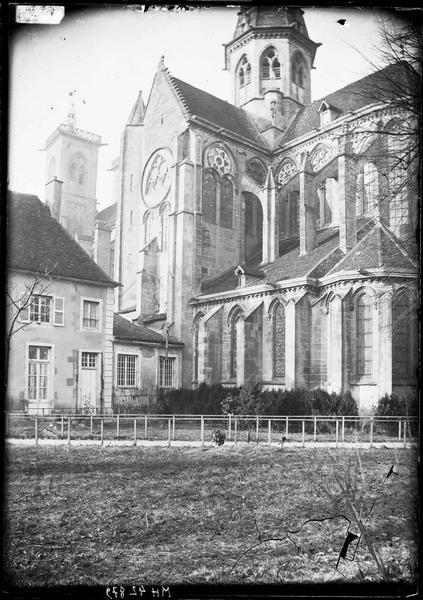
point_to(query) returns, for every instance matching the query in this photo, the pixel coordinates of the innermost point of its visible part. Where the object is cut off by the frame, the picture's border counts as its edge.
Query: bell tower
(270, 58)
(71, 179)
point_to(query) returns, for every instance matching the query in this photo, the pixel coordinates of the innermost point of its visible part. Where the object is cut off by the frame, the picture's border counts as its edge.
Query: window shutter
(24, 315)
(59, 311)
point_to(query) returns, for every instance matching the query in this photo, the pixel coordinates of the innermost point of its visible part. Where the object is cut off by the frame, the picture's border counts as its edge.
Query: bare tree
(393, 147)
(19, 302)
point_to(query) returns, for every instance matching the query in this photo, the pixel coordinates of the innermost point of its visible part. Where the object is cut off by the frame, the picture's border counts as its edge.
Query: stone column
(270, 241)
(307, 208)
(383, 370)
(335, 344)
(347, 196)
(290, 345)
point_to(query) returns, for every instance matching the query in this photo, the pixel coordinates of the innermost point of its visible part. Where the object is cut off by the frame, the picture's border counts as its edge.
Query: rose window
(287, 170)
(218, 159)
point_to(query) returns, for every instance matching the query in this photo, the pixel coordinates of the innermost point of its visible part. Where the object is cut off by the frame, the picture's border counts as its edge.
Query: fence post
(62, 426)
(343, 430)
(229, 426)
(101, 431)
(168, 431)
(91, 425)
(6, 424)
(145, 426)
(303, 433)
(286, 426)
(173, 427)
(36, 431)
(235, 429)
(69, 430)
(399, 429)
(405, 433)
(269, 433)
(135, 432)
(315, 430)
(202, 429)
(371, 432)
(257, 430)
(336, 432)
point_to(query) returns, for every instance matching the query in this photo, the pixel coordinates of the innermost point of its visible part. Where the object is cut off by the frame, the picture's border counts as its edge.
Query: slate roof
(376, 247)
(125, 330)
(223, 114)
(108, 214)
(38, 243)
(380, 86)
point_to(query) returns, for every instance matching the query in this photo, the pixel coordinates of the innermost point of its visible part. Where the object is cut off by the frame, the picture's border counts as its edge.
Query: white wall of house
(60, 359)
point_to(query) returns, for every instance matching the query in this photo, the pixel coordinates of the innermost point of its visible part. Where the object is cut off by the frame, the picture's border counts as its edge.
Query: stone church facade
(270, 235)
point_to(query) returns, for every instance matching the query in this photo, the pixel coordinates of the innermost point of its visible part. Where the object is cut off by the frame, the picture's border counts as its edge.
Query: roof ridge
(354, 249)
(396, 242)
(178, 92)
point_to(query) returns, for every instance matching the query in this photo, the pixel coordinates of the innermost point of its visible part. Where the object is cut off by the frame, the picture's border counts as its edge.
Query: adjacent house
(60, 316)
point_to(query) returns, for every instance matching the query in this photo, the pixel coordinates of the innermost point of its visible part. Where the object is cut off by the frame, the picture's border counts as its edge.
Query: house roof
(108, 214)
(223, 114)
(38, 243)
(380, 86)
(377, 247)
(125, 330)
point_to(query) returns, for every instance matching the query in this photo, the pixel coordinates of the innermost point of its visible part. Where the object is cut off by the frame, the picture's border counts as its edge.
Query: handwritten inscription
(119, 591)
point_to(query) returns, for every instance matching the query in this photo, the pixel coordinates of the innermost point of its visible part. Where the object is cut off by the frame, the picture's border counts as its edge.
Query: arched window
(147, 227)
(234, 329)
(164, 225)
(367, 189)
(77, 169)
(244, 79)
(209, 197)
(404, 337)
(364, 336)
(256, 170)
(226, 202)
(270, 68)
(279, 341)
(398, 178)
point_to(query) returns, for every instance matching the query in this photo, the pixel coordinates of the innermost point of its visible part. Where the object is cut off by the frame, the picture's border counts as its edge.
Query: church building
(271, 235)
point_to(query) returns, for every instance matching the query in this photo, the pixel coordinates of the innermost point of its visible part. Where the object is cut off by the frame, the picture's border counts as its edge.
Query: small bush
(397, 405)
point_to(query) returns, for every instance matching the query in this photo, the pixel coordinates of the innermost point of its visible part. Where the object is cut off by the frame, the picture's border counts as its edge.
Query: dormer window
(327, 113)
(239, 273)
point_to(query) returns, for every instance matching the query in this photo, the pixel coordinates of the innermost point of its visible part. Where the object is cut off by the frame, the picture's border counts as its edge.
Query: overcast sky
(108, 55)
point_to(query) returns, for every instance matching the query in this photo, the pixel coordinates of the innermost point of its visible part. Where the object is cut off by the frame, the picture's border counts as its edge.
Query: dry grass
(95, 516)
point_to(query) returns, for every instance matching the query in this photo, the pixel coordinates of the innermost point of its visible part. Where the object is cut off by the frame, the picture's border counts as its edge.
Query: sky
(106, 55)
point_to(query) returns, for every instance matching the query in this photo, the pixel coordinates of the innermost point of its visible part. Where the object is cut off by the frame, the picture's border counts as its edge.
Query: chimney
(307, 207)
(347, 196)
(54, 197)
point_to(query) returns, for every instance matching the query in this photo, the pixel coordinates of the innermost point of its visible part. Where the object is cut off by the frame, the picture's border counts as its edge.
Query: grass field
(99, 516)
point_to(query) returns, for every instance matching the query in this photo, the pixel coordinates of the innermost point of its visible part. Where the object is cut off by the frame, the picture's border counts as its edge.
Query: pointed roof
(381, 86)
(38, 243)
(211, 109)
(264, 17)
(136, 116)
(379, 248)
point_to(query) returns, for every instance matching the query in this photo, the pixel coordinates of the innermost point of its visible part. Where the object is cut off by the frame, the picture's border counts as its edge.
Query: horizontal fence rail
(202, 429)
